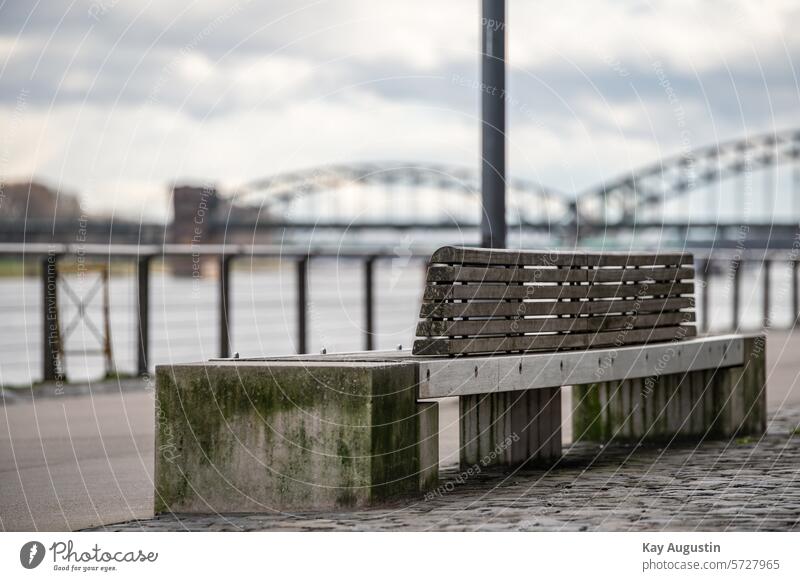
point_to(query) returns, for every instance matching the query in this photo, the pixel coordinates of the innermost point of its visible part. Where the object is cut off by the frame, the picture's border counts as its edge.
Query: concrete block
(261, 436)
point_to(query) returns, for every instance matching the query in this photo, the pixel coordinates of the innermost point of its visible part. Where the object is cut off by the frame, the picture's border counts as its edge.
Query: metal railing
(143, 256)
(301, 257)
(735, 263)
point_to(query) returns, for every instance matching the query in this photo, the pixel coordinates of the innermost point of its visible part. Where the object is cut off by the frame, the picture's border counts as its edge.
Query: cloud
(124, 97)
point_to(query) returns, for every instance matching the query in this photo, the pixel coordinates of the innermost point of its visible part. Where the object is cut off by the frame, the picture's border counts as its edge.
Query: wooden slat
(637, 407)
(521, 309)
(696, 418)
(547, 342)
(552, 410)
(510, 427)
(674, 420)
(486, 256)
(501, 402)
(621, 409)
(439, 273)
(504, 292)
(468, 423)
(481, 300)
(444, 274)
(686, 404)
(654, 273)
(549, 325)
(523, 410)
(486, 425)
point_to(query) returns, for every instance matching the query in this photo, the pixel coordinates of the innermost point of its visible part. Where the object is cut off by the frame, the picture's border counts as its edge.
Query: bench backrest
(480, 300)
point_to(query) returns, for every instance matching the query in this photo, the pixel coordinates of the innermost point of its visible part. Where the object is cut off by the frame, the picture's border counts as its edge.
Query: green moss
(292, 435)
(346, 498)
(395, 460)
(587, 420)
(709, 411)
(754, 385)
(612, 415)
(344, 453)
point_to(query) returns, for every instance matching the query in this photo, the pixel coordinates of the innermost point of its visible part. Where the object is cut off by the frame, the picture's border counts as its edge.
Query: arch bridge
(743, 192)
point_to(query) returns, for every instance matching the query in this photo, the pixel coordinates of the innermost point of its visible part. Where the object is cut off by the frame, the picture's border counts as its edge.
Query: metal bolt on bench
(502, 330)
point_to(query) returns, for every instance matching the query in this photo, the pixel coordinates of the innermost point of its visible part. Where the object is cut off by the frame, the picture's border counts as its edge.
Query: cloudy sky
(116, 99)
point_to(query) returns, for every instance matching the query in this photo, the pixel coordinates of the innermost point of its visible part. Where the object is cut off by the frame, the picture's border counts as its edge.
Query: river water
(184, 320)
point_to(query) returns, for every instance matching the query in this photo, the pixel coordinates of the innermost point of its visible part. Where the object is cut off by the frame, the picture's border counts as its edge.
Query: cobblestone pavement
(743, 484)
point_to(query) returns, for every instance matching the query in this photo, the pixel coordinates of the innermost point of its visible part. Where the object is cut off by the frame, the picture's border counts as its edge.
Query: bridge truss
(439, 196)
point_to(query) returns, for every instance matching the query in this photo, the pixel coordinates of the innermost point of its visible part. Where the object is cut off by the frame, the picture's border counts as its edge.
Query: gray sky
(116, 99)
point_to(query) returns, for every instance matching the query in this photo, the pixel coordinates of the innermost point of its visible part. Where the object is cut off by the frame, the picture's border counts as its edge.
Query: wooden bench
(501, 330)
(618, 326)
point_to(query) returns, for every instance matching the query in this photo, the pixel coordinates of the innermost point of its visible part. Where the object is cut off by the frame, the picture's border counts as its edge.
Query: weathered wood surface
(495, 301)
(428, 444)
(502, 292)
(455, 346)
(505, 257)
(510, 428)
(480, 374)
(720, 402)
(444, 274)
(544, 325)
(446, 310)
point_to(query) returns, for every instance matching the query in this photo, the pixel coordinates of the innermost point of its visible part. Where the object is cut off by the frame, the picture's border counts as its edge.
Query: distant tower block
(195, 208)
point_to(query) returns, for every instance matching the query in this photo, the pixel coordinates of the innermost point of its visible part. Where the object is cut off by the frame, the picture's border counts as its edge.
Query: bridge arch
(622, 199)
(393, 190)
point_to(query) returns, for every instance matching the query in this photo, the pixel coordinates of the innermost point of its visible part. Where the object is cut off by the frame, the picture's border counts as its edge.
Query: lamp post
(493, 125)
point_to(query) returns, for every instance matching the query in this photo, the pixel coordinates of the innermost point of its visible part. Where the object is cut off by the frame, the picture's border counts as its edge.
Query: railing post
(705, 267)
(369, 303)
(767, 288)
(224, 305)
(107, 346)
(143, 313)
(302, 303)
(51, 331)
(795, 294)
(736, 265)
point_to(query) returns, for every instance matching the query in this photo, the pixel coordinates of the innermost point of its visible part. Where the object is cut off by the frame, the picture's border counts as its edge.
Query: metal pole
(705, 268)
(143, 310)
(107, 347)
(224, 305)
(302, 304)
(767, 288)
(493, 127)
(795, 294)
(737, 266)
(51, 336)
(369, 303)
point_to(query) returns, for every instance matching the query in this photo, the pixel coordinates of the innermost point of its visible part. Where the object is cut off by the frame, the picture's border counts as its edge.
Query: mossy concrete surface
(263, 436)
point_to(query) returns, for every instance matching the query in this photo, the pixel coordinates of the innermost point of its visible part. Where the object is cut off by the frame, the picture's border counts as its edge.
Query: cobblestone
(744, 484)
